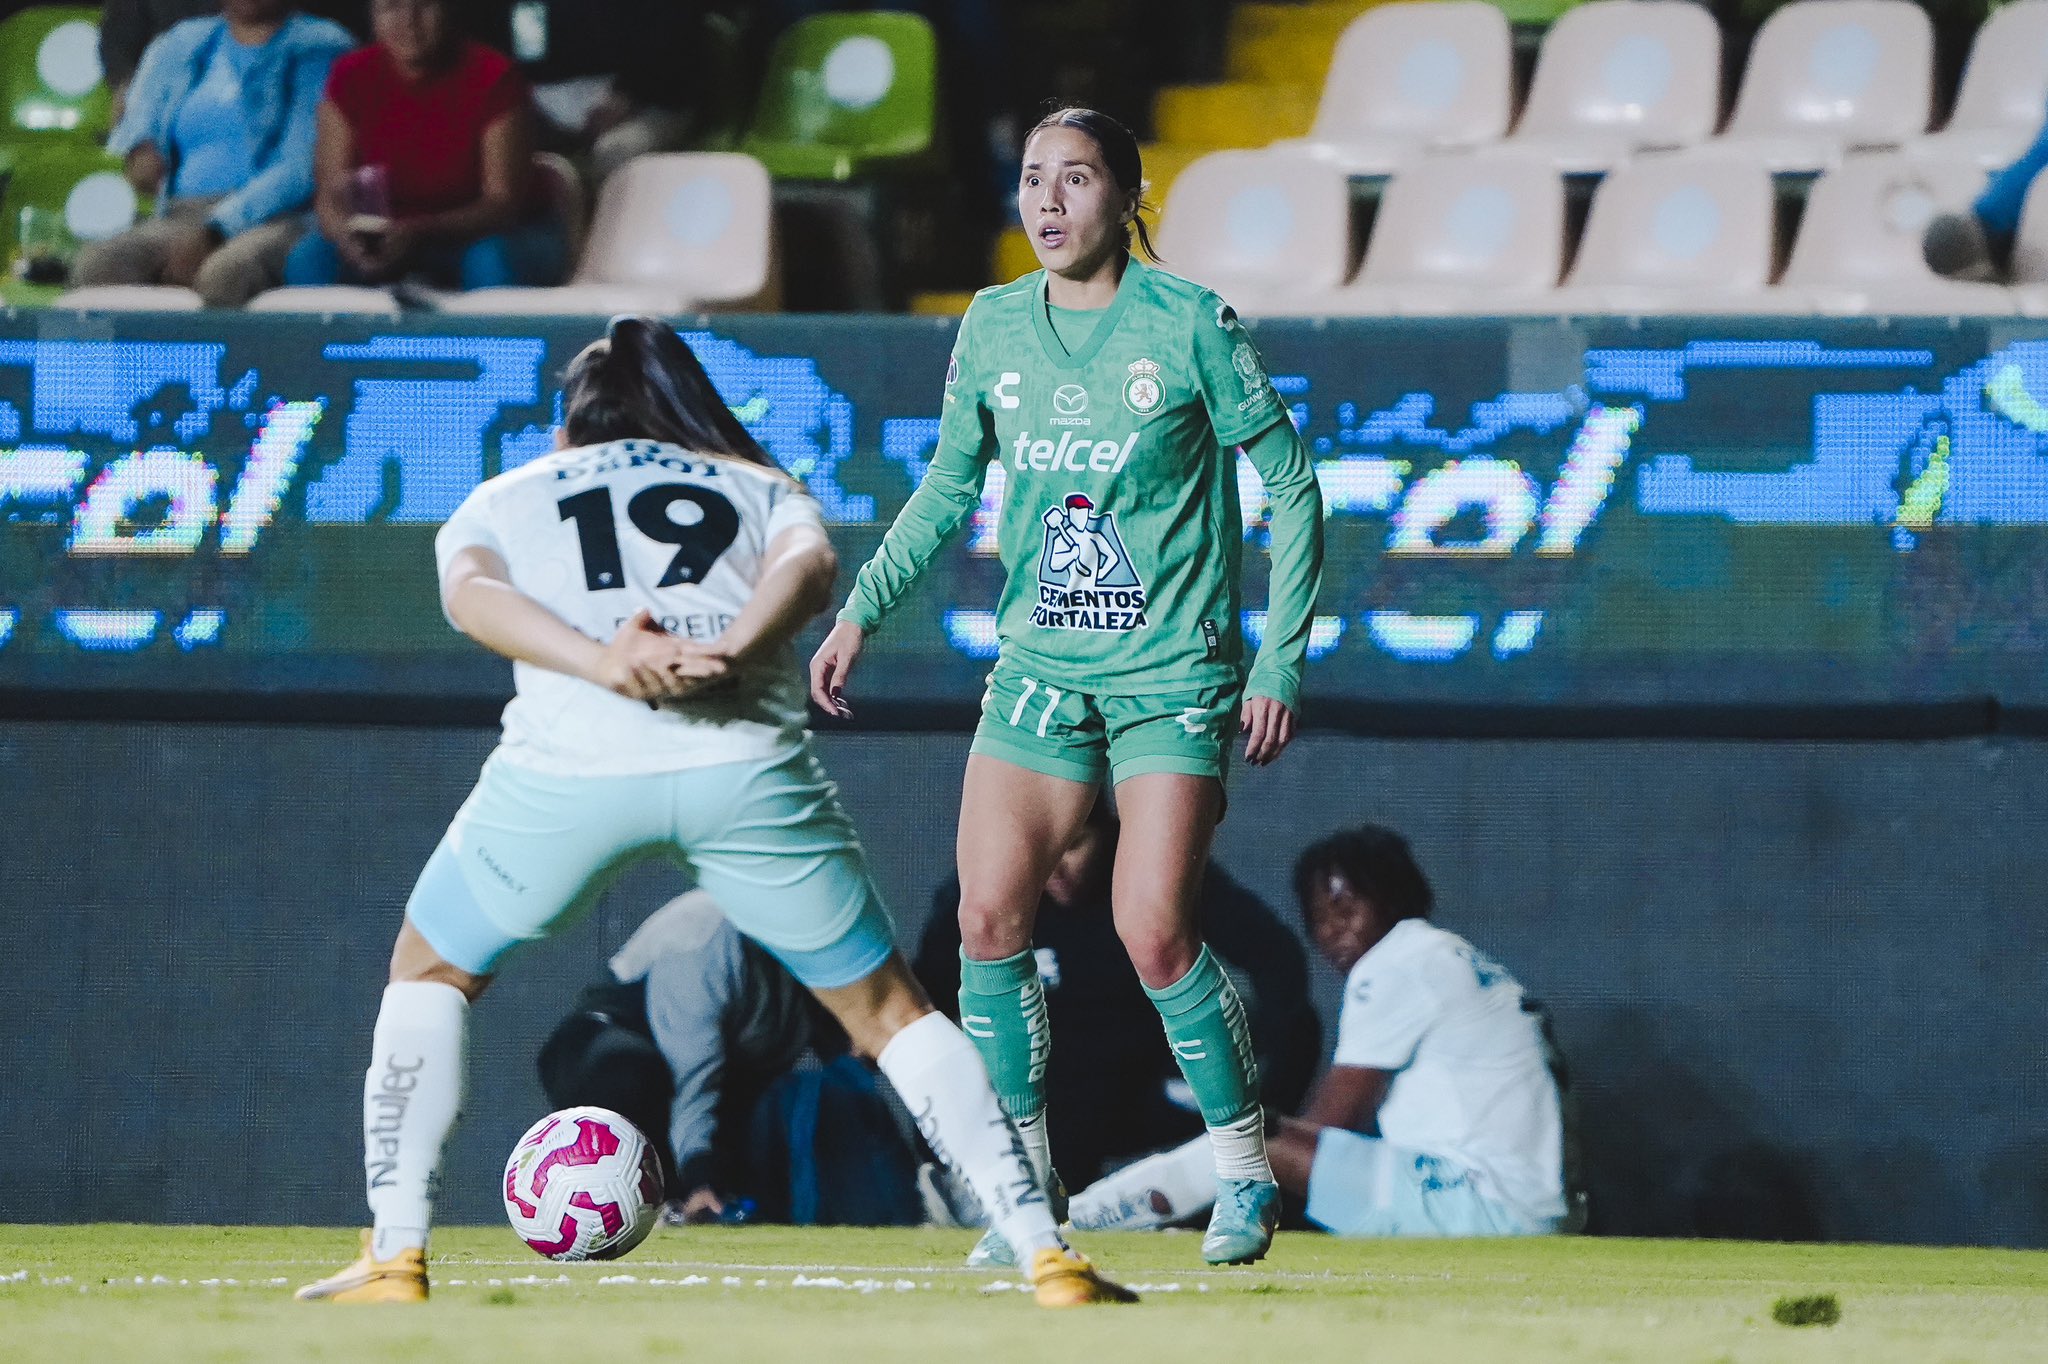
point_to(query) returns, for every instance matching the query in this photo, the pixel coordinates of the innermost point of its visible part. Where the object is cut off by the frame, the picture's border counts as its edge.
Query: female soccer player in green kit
(1115, 395)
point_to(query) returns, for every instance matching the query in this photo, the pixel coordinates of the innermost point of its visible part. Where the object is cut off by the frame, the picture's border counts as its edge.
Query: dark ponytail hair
(641, 382)
(1119, 157)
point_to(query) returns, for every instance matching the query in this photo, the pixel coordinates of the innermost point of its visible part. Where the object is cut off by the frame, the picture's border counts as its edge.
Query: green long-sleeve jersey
(1120, 528)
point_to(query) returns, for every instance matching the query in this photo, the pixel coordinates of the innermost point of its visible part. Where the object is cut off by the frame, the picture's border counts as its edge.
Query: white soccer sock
(941, 1080)
(412, 1095)
(1037, 1148)
(1240, 1148)
(1150, 1193)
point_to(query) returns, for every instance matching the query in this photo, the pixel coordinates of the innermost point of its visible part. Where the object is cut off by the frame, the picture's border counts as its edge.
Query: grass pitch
(840, 1296)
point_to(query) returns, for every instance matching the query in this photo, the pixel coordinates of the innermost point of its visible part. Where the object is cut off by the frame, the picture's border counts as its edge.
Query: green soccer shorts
(1050, 728)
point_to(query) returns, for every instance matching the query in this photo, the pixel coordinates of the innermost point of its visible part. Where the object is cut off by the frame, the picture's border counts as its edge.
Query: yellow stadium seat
(941, 304)
(1235, 113)
(1164, 161)
(1285, 57)
(1014, 257)
(1262, 19)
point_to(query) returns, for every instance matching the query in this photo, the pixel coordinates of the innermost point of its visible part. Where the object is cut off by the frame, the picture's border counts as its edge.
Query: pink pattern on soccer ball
(607, 1213)
(564, 1245)
(526, 1209)
(594, 1141)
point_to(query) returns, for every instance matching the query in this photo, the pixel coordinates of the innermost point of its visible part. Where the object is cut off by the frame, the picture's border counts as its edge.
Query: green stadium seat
(50, 77)
(79, 184)
(848, 95)
(1533, 13)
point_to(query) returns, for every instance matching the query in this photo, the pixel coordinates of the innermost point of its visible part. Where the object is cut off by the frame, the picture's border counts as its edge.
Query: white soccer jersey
(1472, 1078)
(596, 533)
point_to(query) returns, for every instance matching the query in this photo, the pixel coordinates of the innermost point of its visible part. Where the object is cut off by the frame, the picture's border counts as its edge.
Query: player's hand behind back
(832, 665)
(644, 662)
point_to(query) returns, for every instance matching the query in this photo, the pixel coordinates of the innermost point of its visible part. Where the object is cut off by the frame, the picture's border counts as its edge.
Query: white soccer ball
(583, 1184)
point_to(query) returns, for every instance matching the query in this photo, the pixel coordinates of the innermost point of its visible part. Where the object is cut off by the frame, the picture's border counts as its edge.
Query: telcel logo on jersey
(1073, 456)
(1085, 577)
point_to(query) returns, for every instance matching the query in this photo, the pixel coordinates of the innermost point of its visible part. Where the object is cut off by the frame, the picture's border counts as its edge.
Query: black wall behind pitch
(1800, 984)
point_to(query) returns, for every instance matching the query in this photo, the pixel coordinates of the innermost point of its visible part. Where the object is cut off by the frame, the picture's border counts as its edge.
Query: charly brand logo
(1142, 390)
(1070, 405)
(1086, 580)
(1001, 392)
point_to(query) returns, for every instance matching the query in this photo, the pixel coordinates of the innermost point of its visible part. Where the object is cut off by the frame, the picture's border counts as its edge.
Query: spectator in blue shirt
(219, 128)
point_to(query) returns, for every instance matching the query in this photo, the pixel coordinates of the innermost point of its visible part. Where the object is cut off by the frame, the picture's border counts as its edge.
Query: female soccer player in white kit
(647, 580)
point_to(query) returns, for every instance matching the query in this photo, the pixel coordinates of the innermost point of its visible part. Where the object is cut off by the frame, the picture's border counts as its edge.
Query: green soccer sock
(1206, 1027)
(1002, 1007)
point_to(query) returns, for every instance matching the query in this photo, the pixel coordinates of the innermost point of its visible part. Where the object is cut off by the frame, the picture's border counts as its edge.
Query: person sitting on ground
(698, 1033)
(1116, 1101)
(1444, 1109)
(425, 164)
(219, 129)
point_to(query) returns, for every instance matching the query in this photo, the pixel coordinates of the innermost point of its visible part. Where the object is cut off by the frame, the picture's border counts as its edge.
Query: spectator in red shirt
(424, 162)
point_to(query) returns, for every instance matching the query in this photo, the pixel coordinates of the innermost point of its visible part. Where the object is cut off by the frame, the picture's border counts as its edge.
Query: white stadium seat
(1268, 230)
(1826, 76)
(130, 298)
(673, 233)
(1470, 235)
(1859, 242)
(1411, 78)
(326, 299)
(2004, 96)
(1620, 76)
(1677, 232)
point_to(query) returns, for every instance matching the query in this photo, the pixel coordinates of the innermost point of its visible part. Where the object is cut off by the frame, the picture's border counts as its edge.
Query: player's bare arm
(1348, 1097)
(796, 584)
(642, 662)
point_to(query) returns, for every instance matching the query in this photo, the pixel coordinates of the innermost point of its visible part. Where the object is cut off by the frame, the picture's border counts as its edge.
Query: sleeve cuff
(852, 614)
(1287, 693)
(695, 1171)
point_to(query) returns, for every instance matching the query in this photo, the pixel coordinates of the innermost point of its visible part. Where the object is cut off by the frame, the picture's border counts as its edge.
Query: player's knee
(993, 926)
(1161, 953)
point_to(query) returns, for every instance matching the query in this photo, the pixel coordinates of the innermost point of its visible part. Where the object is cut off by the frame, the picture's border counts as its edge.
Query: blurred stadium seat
(1233, 114)
(847, 95)
(129, 298)
(1859, 243)
(1476, 234)
(50, 77)
(1411, 78)
(2004, 93)
(673, 233)
(1826, 76)
(1270, 231)
(326, 299)
(77, 184)
(1619, 76)
(1677, 232)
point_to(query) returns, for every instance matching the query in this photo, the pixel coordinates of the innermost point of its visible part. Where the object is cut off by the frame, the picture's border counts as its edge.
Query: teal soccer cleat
(992, 1251)
(1241, 1226)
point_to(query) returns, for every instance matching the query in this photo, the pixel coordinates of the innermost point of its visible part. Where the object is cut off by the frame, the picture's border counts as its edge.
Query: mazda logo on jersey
(1069, 402)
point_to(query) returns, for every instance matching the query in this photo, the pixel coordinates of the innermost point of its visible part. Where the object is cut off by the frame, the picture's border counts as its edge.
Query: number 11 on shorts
(1053, 696)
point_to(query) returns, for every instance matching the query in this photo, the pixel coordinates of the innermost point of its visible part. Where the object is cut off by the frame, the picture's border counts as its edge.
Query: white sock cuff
(923, 1043)
(415, 1002)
